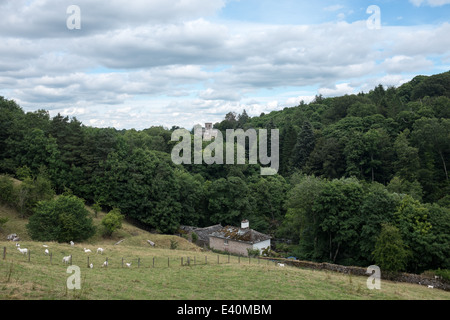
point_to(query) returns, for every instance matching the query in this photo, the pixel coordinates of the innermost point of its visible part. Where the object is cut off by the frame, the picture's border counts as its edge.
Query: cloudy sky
(142, 63)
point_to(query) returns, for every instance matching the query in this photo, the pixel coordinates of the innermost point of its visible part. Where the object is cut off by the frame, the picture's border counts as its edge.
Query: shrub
(253, 252)
(3, 221)
(173, 244)
(112, 221)
(194, 237)
(62, 220)
(6, 190)
(390, 252)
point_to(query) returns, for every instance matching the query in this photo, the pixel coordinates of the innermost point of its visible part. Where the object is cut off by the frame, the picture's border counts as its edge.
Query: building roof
(202, 233)
(239, 234)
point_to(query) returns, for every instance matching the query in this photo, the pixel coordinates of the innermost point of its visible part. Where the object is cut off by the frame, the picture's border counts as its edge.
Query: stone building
(238, 240)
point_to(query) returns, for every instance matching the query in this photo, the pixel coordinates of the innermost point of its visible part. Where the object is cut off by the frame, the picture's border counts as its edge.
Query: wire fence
(157, 261)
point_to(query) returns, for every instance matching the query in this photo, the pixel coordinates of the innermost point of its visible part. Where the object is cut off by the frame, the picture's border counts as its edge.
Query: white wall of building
(261, 245)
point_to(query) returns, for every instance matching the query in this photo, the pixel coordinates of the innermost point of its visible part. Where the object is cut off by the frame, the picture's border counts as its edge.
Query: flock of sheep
(67, 259)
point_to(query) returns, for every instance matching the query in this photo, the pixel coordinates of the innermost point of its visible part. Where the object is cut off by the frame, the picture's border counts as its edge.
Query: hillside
(156, 273)
(132, 235)
(352, 168)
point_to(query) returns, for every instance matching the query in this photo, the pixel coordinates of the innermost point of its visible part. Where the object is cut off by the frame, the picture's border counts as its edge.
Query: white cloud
(338, 90)
(142, 63)
(335, 7)
(431, 3)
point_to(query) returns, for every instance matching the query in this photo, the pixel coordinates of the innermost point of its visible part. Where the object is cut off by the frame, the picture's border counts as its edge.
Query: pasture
(162, 273)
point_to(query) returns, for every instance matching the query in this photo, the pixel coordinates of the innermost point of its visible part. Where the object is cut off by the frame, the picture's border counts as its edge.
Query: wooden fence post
(122, 262)
(168, 261)
(70, 259)
(181, 261)
(51, 257)
(139, 262)
(153, 262)
(206, 259)
(29, 255)
(217, 259)
(4, 253)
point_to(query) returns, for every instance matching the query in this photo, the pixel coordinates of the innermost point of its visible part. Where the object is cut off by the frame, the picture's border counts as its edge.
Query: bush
(194, 237)
(253, 252)
(112, 221)
(63, 219)
(390, 252)
(173, 244)
(6, 190)
(3, 221)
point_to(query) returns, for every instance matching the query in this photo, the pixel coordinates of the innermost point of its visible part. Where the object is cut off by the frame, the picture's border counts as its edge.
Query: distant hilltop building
(208, 131)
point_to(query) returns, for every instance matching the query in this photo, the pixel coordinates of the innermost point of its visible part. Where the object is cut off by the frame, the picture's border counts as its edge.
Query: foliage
(253, 252)
(3, 220)
(390, 252)
(112, 221)
(173, 244)
(62, 219)
(6, 190)
(348, 165)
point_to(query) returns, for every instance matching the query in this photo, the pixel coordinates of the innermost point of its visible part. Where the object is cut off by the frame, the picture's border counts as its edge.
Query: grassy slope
(237, 280)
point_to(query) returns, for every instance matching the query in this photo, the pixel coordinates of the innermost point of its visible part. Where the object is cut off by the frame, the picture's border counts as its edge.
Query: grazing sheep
(24, 250)
(128, 264)
(45, 246)
(100, 250)
(87, 250)
(17, 244)
(71, 243)
(281, 264)
(105, 264)
(430, 287)
(66, 259)
(91, 266)
(46, 251)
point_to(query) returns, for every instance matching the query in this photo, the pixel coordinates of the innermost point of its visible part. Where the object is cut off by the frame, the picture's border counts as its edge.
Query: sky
(142, 63)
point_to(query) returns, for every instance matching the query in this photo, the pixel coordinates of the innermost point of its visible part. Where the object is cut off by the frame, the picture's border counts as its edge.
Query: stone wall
(235, 247)
(396, 277)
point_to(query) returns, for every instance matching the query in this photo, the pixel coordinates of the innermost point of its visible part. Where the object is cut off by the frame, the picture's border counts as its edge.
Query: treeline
(353, 170)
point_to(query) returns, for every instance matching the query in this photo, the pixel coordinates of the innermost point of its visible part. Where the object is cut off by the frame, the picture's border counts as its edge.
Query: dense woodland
(363, 178)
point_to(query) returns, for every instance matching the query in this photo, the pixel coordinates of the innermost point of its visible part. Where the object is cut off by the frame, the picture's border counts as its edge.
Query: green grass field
(160, 275)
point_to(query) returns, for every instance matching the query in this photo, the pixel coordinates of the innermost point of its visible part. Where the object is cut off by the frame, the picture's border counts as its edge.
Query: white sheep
(24, 250)
(100, 250)
(71, 243)
(45, 246)
(46, 251)
(66, 259)
(91, 265)
(105, 264)
(281, 264)
(87, 250)
(17, 244)
(128, 264)
(430, 287)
